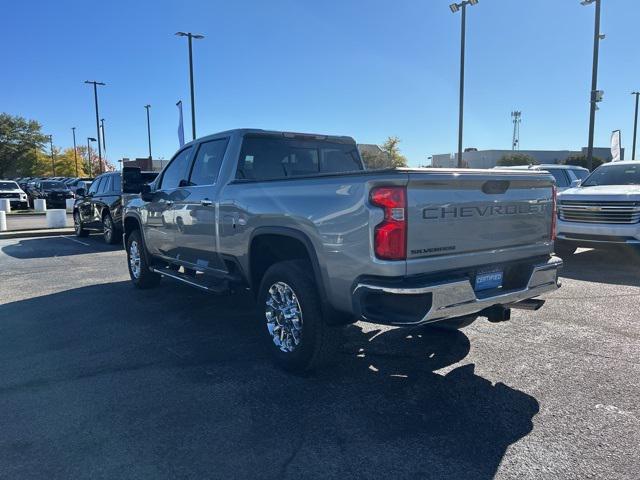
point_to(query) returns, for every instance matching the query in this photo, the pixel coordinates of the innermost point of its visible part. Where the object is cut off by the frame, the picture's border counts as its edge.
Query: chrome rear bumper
(444, 300)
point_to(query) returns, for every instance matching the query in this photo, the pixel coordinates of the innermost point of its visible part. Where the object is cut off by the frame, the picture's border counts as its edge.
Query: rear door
(463, 213)
(194, 212)
(87, 208)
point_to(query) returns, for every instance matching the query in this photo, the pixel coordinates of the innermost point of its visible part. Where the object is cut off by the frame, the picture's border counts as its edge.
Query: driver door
(159, 223)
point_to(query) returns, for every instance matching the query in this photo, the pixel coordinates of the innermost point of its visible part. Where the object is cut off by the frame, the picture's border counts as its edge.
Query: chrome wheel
(108, 228)
(284, 317)
(134, 259)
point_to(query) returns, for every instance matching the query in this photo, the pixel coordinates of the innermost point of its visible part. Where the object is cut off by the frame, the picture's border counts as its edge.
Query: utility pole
(454, 8)
(53, 160)
(190, 37)
(95, 96)
(596, 95)
(75, 151)
(635, 126)
(147, 107)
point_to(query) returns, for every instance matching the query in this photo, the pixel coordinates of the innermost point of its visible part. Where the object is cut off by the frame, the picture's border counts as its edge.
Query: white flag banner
(615, 146)
(180, 124)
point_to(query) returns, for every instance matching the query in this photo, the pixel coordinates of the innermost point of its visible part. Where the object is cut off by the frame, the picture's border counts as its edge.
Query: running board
(221, 287)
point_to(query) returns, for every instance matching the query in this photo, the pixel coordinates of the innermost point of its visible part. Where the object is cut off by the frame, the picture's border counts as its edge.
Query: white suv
(10, 189)
(603, 210)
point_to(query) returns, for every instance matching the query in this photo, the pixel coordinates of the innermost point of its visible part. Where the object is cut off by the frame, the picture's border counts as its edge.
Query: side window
(117, 183)
(105, 185)
(207, 163)
(94, 186)
(561, 177)
(176, 170)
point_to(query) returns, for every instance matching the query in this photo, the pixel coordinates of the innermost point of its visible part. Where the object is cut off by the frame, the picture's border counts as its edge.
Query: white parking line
(74, 240)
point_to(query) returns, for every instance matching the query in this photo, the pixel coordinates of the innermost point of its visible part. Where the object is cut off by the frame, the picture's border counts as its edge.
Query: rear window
(266, 158)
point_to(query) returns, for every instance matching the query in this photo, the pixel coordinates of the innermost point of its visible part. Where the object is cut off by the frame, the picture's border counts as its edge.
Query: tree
(19, 139)
(515, 159)
(580, 160)
(388, 157)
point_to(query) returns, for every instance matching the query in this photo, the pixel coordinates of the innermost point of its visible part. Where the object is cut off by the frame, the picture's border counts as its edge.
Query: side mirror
(80, 192)
(145, 193)
(576, 183)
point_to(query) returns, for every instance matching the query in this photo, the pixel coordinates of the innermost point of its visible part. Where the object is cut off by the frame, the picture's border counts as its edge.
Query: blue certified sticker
(488, 280)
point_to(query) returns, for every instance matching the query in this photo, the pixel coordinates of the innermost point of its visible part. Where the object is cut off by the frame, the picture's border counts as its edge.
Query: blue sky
(365, 68)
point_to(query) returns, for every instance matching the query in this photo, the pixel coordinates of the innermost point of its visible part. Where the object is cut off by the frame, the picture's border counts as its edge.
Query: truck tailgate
(466, 212)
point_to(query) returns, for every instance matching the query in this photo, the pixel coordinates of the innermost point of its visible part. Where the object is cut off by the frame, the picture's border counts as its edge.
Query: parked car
(11, 190)
(321, 242)
(53, 191)
(75, 183)
(603, 211)
(566, 175)
(100, 208)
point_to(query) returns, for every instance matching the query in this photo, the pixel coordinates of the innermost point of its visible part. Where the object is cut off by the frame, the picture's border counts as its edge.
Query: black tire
(141, 277)
(453, 323)
(78, 228)
(110, 232)
(564, 249)
(318, 341)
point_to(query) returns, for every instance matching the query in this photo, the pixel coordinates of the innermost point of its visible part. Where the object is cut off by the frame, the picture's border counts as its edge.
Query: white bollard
(56, 218)
(40, 205)
(5, 205)
(70, 202)
(3, 221)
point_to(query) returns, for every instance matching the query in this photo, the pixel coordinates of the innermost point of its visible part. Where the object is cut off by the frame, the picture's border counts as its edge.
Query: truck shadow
(58, 246)
(172, 370)
(618, 266)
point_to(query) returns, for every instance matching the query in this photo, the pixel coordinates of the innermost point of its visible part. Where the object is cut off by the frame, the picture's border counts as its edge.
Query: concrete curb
(50, 232)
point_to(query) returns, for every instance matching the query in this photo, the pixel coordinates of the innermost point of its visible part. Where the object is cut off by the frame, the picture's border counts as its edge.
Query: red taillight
(390, 237)
(554, 216)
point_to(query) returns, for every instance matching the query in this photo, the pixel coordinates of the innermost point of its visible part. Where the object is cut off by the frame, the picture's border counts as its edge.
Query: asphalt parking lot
(99, 380)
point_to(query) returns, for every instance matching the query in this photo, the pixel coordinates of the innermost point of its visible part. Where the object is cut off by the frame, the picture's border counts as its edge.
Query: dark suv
(53, 191)
(100, 209)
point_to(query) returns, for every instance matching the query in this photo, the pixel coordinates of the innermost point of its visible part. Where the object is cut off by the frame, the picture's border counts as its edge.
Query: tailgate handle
(493, 187)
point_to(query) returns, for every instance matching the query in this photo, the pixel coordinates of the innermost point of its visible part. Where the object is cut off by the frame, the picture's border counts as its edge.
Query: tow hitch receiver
(530, 304)
(497, 313)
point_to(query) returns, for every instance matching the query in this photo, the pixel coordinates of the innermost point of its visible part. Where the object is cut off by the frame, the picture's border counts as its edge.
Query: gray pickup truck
(322, 242)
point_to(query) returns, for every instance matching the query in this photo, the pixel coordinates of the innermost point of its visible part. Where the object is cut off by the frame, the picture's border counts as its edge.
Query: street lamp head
(635, 93)
(472, 2)
(197, 36)
(182, 34)
(454, 7)
(91, 82)
(91, 139)
(147, 106)
(587, 2)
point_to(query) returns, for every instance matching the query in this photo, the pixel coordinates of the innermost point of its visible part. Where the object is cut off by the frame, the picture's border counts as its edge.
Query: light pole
(454, 8)
(95, 96)
(104, 142)
(596, 96)
(75, 151)
(191, 36)
(53, 160)
(90, 139)
(147, 107)
(635, 126)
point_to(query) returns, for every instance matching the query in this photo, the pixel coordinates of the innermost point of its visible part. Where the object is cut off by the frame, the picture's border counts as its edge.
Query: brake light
(554, 215)
(390, 237)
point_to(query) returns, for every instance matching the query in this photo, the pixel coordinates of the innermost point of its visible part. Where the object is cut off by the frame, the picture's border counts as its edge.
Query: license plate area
(488, 279)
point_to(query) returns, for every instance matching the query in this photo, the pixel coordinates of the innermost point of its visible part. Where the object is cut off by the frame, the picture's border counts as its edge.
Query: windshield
(614, 175)
(8, 185)
(581, 174)
(53, 185)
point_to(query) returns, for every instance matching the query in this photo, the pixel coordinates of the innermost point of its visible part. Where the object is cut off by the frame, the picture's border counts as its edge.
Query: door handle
(206, 202)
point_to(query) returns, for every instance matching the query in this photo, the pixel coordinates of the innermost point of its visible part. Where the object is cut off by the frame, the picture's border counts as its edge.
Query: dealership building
(489, 158)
